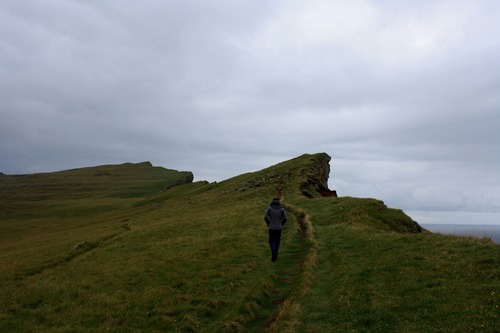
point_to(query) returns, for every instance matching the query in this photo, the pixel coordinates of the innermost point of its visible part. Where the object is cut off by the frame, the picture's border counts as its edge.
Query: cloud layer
(404, 96)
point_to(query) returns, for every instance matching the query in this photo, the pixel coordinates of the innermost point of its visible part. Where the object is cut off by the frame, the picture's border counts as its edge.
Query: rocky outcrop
(186, 179)
(308, 173)
(316, 177)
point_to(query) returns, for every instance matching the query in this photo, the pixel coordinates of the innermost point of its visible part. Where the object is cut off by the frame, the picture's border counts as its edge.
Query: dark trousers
(274, 241)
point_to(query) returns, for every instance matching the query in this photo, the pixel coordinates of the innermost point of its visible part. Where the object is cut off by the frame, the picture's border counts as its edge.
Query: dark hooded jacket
(275, 215)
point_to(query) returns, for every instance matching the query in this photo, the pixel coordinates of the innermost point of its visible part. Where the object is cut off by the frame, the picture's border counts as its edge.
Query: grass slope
(81, 191)
(49, 219)
(194, 258)
(372, 277)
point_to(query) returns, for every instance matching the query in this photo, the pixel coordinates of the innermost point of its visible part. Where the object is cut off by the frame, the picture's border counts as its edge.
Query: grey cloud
(403, 96)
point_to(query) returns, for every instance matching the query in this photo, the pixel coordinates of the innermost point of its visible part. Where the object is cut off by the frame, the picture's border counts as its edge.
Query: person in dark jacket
(275, 217)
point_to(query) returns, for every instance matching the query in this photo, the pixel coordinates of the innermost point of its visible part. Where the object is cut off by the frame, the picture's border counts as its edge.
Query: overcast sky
(404, 95)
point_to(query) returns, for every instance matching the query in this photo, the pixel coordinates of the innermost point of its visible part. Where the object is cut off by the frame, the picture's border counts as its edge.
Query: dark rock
(316, 177)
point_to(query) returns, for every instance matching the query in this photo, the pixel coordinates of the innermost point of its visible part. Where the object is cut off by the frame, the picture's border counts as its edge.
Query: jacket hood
(276, 204)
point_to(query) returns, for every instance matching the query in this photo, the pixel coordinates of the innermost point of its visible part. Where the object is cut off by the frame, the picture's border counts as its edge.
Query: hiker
(275, 217)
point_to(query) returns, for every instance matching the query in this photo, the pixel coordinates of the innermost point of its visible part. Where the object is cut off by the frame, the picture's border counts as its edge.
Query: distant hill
(138, 248)
(73, 191)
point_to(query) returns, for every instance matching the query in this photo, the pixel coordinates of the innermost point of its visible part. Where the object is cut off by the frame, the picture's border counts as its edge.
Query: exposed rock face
(188, 178)
(317, 177)
(328, 193)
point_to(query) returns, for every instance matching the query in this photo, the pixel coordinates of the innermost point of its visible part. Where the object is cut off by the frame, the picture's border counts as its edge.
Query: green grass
(82, 191)
(380, 282)
(136, 253)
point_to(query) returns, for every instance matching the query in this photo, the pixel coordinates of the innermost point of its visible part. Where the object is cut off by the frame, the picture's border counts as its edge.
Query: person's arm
(266, 217)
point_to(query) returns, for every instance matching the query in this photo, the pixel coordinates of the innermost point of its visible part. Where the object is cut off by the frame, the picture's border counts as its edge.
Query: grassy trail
(351, 277)
(287, 274)
(292, 276)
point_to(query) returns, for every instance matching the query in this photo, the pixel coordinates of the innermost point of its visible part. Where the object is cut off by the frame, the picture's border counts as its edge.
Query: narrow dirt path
(287, 274)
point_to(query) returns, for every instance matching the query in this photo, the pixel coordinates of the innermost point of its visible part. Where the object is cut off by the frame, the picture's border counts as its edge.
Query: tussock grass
(288, 317)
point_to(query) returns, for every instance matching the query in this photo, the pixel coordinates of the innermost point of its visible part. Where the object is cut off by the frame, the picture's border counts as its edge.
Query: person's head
(276, 202)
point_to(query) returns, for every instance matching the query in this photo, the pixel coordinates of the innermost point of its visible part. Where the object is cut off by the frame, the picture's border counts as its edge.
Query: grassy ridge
(371, 277)
(78, 192)
(194, 258)
(374, 282)
(44, 216)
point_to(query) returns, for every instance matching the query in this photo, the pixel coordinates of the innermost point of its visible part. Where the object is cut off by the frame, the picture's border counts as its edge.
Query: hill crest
(101, 250)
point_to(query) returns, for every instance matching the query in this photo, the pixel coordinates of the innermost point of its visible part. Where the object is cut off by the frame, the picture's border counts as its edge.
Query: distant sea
(474, 230)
